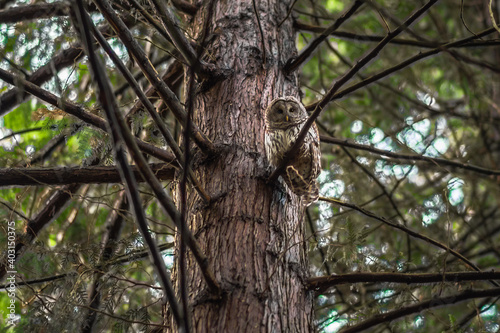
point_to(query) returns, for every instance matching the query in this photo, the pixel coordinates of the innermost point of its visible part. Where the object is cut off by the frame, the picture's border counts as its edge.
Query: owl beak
(286, 117)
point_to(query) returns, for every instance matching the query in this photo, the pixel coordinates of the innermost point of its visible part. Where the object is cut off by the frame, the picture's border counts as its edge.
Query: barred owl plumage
(285, 117)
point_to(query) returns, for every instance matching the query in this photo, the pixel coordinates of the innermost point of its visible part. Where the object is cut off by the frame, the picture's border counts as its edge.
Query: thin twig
(492, 16)
(288, 13)
(484, 306)
(462, 17)
(299, 25)
(21, 132)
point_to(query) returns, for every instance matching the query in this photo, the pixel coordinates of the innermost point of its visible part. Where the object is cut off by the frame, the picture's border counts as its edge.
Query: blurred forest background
(405, 236)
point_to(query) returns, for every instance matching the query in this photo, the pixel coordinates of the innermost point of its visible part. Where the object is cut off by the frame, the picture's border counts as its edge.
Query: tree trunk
(252, 231)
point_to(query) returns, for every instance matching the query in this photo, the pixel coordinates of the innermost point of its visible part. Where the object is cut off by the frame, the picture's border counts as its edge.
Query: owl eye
(292, 110)
(280, 111)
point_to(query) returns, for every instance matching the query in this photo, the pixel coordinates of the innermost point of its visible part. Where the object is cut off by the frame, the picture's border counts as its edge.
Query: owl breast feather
(278, 142)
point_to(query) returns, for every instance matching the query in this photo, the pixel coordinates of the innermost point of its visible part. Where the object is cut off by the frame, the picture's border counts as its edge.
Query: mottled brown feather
(285, 117)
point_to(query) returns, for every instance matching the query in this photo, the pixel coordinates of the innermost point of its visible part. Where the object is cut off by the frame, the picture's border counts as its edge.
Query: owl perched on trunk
(285, 117)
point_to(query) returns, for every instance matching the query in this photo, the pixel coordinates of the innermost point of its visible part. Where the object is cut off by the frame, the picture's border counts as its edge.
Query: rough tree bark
(252, 231)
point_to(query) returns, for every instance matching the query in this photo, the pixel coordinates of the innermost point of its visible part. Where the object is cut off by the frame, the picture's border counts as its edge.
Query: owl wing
(301, 175)
(315, 151)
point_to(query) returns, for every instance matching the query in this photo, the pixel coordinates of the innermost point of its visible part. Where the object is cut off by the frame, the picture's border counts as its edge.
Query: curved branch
(34, 129)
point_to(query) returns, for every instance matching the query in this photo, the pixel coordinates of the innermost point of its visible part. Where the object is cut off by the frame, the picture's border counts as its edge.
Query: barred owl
(285, 117)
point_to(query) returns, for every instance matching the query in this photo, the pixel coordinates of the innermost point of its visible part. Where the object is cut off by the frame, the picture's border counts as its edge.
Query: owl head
(284, 112)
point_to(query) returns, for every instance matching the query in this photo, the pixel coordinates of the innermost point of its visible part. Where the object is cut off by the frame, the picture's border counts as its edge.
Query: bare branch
(152, 112)
(407, 157)
(294, 63)
(387, 72)
(77, 111)
(32, 12)
(419, 307)
(119, 134)
(408, 231)
(142, 60)
(299, 25)
(324, 282)
(47, 150)
(34, 129)
(76, 175)
(180, 41)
